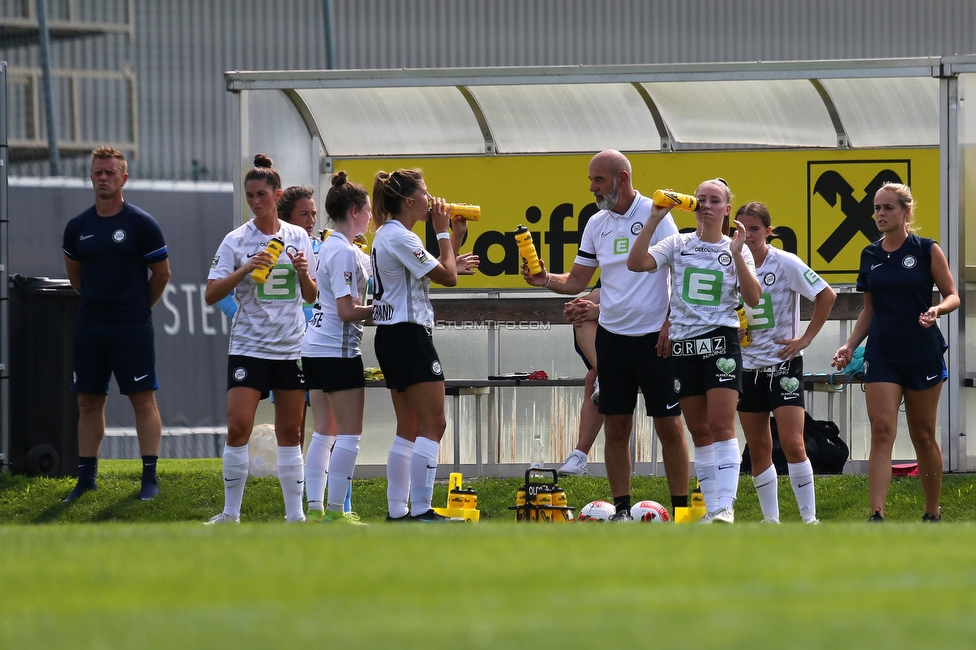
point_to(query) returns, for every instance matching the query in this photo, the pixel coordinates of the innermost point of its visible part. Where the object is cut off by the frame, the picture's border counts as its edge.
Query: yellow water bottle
(464, 210)
(527, 249)
(746, 338)
(274, 248)
(680, 201)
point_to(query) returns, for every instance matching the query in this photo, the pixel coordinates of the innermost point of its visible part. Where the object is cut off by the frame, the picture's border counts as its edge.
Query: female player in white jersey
(708, 272)
(773, 364)
(265, 338)
(402, 273)
(331, 355)
(903, 355)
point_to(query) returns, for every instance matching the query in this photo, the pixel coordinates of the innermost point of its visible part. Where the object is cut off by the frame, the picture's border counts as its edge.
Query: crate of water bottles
(540, 499)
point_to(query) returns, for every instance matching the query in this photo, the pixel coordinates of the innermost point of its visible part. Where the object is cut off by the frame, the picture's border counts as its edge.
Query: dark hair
(390, 190)
(102, 153)
(757, 210)
(262, 171)
(343, 195)
(289, 197)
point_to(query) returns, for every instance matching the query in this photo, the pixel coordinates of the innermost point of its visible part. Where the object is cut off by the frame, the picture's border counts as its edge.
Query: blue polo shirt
(901, 289)
(114, 253)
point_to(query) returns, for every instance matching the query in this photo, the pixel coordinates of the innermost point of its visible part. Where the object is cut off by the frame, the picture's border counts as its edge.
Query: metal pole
(45, 43)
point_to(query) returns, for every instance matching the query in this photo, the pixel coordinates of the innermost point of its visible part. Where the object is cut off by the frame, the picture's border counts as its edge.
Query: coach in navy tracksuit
(903, 355)
(117, 261)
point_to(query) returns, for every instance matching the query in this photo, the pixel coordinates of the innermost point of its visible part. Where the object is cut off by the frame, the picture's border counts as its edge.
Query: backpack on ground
(826, 450)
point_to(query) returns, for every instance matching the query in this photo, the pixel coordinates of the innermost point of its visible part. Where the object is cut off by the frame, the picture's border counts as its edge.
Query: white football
(597, 511)
(650, 511)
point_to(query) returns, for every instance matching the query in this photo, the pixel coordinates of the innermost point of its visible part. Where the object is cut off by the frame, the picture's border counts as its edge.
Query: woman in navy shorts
(903, 355)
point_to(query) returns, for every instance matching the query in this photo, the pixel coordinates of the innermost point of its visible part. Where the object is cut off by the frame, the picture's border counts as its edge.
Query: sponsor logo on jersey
(811, 277)
(282, 284)
(621, 246)
(703, 347)
(118, 236)
(909, 261)
(382, 313)
(874, 266)
(702, 287)
(84, 237)
(762, 316)
(726, 365)
(789, 384)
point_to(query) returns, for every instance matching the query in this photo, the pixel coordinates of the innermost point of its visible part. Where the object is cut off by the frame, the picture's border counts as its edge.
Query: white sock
(766, 487)
(728, 458)
(580, 454)
(423, 468)
(236, 460)
(705, 470)
(291, 475)
(801, 478)
(398, 477)
(344, 456)
(317, 466)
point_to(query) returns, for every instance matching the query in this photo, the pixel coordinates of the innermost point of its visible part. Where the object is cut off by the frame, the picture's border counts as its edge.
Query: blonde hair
(109, 152)
(723, 185)
(904, 195)
(391, 189)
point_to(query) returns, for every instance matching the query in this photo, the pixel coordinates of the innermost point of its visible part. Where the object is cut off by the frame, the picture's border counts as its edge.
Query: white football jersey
(705, 287)
(784, 278)
(342, 270)
(631, 304)
(269, 322)
(400, 285)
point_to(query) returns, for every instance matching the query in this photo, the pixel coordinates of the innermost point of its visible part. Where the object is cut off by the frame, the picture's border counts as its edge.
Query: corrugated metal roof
(181, 48)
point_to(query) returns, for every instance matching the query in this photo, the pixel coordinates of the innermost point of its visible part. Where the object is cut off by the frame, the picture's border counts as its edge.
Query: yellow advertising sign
(821, 201)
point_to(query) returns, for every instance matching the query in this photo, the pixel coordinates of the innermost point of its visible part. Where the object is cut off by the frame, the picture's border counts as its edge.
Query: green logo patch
(789, 384)
(726, 365)
(811, 277)
(621, 246)
(761, 316)
(282, 284)
(702, 287)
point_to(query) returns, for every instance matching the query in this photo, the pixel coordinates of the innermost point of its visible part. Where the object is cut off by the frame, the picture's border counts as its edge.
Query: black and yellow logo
(840, 209)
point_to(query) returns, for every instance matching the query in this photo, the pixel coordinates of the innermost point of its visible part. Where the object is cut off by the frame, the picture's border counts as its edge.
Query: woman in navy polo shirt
(903, 355)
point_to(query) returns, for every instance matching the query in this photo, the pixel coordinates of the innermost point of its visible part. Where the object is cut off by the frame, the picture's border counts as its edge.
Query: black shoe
(405, 517)
(876, 517)
(148, 491)
(621, 516)
(80, 489)
(929, 518)
(431, 517)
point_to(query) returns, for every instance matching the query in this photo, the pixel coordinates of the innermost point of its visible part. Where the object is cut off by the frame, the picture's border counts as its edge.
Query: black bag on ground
(826, 450)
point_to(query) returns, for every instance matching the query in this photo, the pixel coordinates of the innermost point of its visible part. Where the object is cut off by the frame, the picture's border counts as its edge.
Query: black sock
(679, 502)
(87, 470)
(149, 469)
(622, 503)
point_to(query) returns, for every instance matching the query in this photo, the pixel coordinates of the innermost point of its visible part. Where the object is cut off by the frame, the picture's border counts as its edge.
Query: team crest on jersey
(421, 255)
(724, 258)
(118, 236)
(291, 250)
(347, 276)
(435, 367)
(677, 386)
(769, 279)
(636, 227)
(909, 261)
(240, 374)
